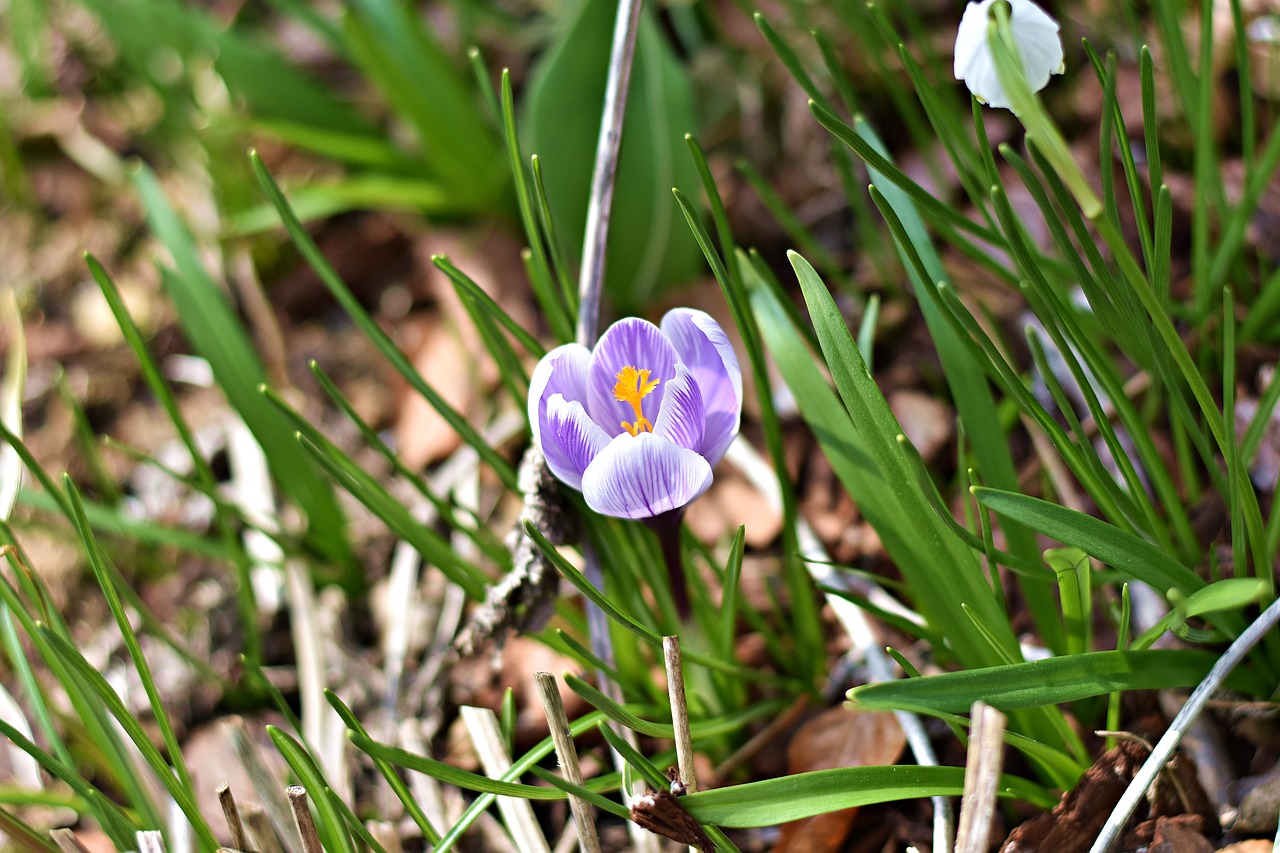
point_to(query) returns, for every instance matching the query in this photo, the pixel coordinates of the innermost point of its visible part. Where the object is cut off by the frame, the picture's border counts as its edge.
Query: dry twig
(981, 778)
(558, 722)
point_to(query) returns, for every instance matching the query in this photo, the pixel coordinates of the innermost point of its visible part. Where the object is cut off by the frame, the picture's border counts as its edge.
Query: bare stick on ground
(1164, 749)
(302, 817)
(67, 841)
(679, 712)
(981, 778)
(232, 815)
(558, 721)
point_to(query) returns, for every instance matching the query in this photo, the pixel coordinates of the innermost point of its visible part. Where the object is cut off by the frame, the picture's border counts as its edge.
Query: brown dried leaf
(838, 737)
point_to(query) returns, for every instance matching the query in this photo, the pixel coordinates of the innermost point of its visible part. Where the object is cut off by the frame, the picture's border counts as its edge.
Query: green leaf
(391, 44)
(1044, 682)
(803, 795)
(1123, 551)
(948, 575)
(649, 247)
(1224, 596)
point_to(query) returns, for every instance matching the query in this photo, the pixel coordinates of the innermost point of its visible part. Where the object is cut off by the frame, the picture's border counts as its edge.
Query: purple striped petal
(705, 349)
(627, 343)
(682, 418)
(570, 439)
(642, 476)
(562, 371)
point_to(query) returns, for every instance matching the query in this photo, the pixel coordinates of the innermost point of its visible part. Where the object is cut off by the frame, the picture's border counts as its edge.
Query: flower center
(633, 386)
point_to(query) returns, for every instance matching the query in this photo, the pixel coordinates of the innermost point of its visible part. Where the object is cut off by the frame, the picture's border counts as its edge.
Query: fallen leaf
(838, 737)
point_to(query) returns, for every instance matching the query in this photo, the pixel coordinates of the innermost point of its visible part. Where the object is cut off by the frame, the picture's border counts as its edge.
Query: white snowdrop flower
(1034, 32)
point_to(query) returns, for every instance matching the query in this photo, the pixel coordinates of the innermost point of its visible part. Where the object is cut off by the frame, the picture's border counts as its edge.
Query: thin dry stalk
(486, 734)
(558, 722)
(67, 841)
(232, 815)
(679, 712)
(303, 820)
(604, 175)
(261, 838)
(1164, 749)
(150, 841)
(602, 646)
(981, 778)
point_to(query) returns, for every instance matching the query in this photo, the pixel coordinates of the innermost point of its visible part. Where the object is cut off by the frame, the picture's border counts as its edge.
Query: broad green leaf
(390, 42)
(965, 378)
(1123, 551)
(803, 795)
(1224, 596)
(649, 247)
(1044, 682)
(943, 572)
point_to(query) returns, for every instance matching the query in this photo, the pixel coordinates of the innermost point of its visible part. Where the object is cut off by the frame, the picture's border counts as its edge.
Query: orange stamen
(633, 386)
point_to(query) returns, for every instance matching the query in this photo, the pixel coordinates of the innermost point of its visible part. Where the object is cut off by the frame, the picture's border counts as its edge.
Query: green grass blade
(20, 833)
(227, 519)
(110, 817)
(396, 784)
(1043, 682)
(332, 827)
(775, 801)
(216, 334)
(380, 339)
(960, 580)
(1123, 551)
(182, 794)
(107, 583)
(366, 488)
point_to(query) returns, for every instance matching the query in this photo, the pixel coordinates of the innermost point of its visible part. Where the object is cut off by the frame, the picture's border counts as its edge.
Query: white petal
(642, 476)
(570, 439)
(1034, 32)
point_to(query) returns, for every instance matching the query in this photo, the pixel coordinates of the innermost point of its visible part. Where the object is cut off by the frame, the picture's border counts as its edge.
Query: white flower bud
(1038, 43)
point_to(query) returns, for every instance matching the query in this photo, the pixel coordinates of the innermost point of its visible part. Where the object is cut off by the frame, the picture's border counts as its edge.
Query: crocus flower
(637, 423)
(1037, 40)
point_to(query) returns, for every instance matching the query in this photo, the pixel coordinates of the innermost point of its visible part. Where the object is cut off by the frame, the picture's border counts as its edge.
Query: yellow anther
(633, 386)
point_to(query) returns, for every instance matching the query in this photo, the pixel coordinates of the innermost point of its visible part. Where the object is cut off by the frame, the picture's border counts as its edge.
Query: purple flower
(637, 423)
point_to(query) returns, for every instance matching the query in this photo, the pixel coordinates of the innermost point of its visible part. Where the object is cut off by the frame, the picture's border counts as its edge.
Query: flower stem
(667, 528)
